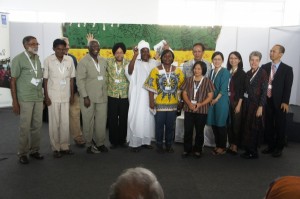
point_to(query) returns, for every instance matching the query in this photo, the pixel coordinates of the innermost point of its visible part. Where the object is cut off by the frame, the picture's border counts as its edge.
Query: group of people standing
(246, 106)
(140, 98)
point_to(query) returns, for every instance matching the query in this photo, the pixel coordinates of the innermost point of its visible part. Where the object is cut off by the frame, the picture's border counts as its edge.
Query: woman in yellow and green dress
(164, 81)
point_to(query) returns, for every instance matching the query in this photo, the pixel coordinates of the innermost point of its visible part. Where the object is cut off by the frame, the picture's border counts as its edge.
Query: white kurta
(141, 126)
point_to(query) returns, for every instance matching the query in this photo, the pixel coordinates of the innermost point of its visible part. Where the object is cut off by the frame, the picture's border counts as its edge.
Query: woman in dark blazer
(256, 84)
(236, 93)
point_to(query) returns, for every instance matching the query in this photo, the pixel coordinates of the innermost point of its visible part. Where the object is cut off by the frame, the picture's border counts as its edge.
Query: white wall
(289, 37)
(246, 40)
(45, 34)
(249, 13)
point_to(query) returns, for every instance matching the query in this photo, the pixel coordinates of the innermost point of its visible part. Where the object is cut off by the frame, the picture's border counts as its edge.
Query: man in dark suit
(278, 97)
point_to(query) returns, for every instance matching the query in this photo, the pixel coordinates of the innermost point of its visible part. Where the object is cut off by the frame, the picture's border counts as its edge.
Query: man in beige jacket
(91, 82)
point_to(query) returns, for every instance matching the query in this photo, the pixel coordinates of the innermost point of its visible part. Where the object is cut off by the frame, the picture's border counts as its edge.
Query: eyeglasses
(33, 44)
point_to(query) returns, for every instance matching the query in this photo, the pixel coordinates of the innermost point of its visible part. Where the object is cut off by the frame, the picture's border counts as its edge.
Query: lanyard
(168, 78)
(212, 75)
(232, 71)
(62, 71)
(97, 66)
(197, 88)
(118, 71)
(254, 75)
(34, 68)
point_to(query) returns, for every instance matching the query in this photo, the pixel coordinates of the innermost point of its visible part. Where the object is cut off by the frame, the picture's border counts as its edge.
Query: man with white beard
(27, 96)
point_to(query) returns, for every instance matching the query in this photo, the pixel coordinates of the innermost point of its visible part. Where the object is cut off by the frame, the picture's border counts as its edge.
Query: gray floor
(89, 176)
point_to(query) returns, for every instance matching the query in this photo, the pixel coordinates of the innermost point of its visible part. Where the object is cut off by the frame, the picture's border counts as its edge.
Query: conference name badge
(100, 78)
(168, 88)
(63, 82)
(194, 102)
(246, 95)
(35, 81)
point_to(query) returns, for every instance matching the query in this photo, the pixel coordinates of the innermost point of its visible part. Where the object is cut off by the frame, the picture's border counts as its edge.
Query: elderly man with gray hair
(92, 87)
(136, 183)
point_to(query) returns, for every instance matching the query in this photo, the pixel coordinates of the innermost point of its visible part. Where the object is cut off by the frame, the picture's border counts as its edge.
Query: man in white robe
(141, 126)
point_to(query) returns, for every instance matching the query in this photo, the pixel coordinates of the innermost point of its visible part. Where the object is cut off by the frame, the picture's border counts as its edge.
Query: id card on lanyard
(35, 81)
(196, 88)
(118, 72)
(97, 66)
(61, 68)
(168, 77)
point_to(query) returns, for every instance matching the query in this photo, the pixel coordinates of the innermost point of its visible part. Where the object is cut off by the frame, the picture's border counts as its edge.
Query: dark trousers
(165, 122)
(117, 120)
(198, 121)
(220, 136)
(275, 126)
(234, 127)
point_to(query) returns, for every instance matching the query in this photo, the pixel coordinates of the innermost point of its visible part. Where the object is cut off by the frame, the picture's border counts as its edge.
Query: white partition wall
(244, 40)
(289, 37)
(45, 33)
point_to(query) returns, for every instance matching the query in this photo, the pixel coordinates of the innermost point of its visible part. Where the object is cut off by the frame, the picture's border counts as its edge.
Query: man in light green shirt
(27, 96)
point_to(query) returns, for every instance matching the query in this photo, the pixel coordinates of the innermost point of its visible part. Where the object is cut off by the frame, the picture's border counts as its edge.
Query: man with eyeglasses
(198, 52)
(27, 95)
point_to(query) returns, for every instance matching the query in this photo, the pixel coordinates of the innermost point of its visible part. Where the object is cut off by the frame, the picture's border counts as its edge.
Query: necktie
(269, 92)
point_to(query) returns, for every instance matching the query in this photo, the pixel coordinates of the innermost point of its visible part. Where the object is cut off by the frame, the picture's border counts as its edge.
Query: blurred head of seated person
(136, 183)
(287, 187)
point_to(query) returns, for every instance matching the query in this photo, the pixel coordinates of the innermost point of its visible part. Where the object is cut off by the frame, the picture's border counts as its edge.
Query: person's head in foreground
(287, 187)
(136, 183)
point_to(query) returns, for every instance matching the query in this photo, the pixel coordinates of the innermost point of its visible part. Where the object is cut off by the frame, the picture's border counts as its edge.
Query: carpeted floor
(89, 176)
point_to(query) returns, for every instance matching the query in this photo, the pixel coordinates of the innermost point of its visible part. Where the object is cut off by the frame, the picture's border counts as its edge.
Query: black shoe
(57, 154)
(277, 153)
(23, 159)
(37, 156)
(248, 155)
(267, 151)
(197, 154)
(135, 149)
(169, 150)
(92, 150)
(185, 154)
(123, 145)
(146, 146)
(113, 146)
(231, 152)
(102, 148)
(160, 150)
(67, 152)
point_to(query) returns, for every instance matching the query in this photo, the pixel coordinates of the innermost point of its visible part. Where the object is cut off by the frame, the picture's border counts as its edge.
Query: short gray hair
(92, 40)
(256, 54)
(136, 183)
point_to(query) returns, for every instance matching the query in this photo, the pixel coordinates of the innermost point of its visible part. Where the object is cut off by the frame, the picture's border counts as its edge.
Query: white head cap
(143, 44)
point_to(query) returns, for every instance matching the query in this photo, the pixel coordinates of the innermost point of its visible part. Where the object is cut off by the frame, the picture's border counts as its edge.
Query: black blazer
(281, 84)
(238, 82)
